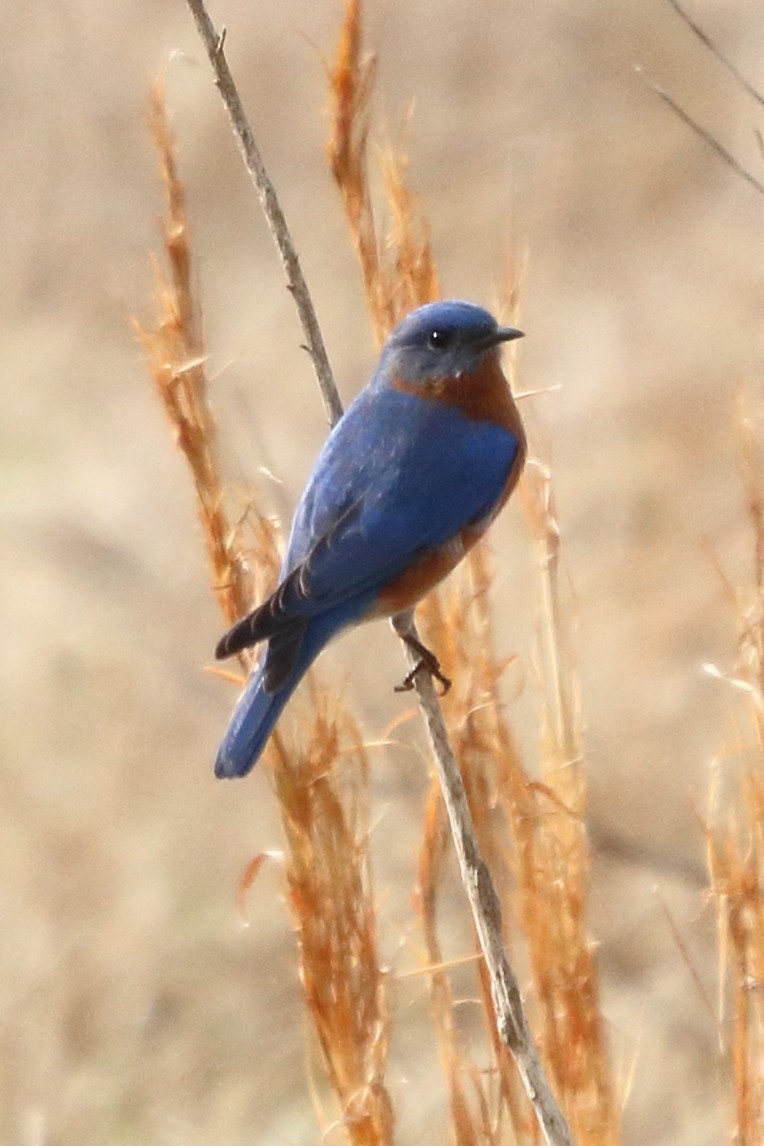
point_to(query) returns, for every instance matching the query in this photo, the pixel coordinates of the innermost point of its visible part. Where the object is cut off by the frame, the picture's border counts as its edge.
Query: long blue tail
(257, 710)
(251, 724)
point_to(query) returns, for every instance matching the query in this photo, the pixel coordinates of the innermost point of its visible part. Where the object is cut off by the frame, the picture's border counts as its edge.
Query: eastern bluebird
(408, 480)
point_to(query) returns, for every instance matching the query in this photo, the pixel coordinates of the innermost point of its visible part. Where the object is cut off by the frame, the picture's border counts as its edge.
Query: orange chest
(481, 396)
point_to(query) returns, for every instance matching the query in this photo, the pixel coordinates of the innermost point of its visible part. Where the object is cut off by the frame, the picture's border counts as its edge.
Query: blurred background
(133, 1005)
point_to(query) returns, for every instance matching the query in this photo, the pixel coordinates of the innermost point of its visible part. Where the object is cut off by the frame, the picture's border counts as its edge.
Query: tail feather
(271, 685)
(265, 694)
(251, 724)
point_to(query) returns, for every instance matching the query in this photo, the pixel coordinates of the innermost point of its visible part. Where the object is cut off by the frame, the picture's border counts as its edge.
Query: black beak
(507, 334)
(500, 334)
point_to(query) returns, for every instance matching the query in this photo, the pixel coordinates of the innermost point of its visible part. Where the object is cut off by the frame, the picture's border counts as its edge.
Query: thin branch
(716, 51)
(702, 132)
(253, 161)
(512, 1024)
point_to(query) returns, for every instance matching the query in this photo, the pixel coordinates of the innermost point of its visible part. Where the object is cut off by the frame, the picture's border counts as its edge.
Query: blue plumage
(400, 477)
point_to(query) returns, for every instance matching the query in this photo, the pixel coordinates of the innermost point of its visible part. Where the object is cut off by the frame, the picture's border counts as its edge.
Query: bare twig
(511, 1022)
(716, 51)
(702, 133)
(253, 161)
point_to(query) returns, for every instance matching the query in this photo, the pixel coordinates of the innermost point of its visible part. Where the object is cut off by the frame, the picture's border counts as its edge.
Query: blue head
(441, 340)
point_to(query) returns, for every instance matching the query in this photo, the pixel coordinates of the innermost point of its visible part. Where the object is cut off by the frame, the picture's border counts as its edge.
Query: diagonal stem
(214, 42)
(511, 1022)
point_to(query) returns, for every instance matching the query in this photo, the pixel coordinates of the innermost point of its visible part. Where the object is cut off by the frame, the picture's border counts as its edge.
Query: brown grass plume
(319, 768)
(735, 833)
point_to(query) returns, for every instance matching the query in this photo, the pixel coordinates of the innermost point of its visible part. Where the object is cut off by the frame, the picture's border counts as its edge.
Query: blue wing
(398, 476)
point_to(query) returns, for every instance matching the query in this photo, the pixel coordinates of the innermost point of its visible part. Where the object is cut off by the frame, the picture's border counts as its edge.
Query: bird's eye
(439, 339)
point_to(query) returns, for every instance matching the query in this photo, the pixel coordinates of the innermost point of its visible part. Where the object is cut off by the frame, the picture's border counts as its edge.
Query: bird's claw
(427, 661)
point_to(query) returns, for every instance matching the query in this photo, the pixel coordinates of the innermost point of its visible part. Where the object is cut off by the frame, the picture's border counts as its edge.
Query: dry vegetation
(320, 782)
(531, 831)
(133, 1008)
(736, 822)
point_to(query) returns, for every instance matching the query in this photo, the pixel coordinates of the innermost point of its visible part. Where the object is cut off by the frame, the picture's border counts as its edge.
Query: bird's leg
(428, 661)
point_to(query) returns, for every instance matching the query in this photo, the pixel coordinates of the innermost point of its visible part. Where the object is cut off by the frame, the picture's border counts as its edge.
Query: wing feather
(392, 483)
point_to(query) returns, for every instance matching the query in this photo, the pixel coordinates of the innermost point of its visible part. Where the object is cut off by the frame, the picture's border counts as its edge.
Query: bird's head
(441, 340)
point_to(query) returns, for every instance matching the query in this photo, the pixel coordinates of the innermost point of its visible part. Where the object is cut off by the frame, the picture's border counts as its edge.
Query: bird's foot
(427, 661)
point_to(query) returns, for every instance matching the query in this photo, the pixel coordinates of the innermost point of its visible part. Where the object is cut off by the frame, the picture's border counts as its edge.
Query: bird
(411, 476)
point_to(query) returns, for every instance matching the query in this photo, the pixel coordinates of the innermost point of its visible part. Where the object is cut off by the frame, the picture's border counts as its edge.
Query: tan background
(133, 1009)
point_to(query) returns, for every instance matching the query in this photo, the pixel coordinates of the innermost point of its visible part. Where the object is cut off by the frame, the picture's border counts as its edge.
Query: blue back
(398, 475)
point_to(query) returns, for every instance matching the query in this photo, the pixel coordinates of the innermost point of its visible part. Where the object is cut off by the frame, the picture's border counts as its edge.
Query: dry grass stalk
(479, 1101)
(553, 870)
(736, 865)
(536, 846)
(398, 273)
(330, 894)
(453, 623)
(175, 351)
(703, 133)
(398, 269)
(735, 835)
(716, 52)
(324, 813)
(271, 207)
